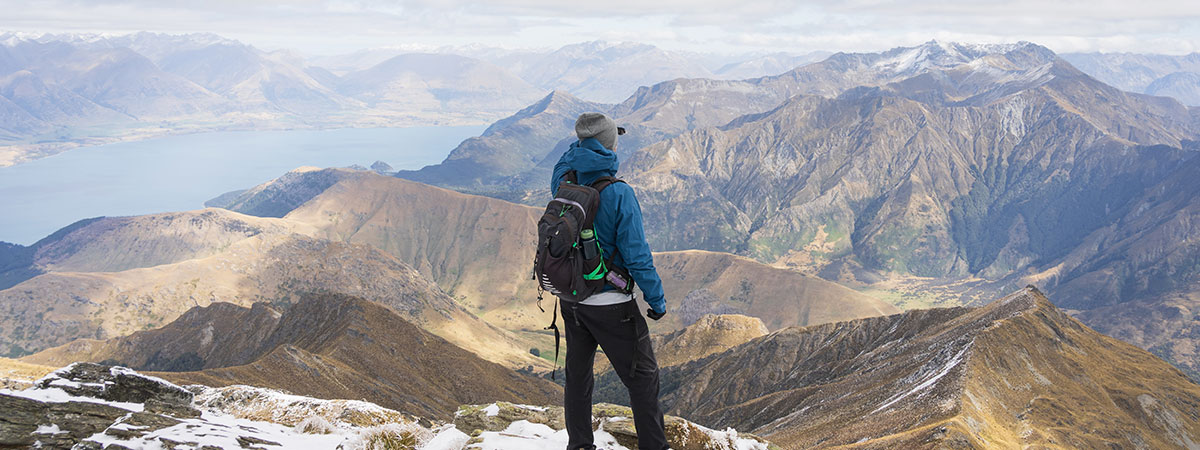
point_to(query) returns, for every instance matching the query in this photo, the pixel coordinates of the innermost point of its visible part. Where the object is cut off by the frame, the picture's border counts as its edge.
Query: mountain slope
(165, 273)
(1017, 372)
(708, 335)
(480, 250)
(280, 196)
(327, 346)
(915, 178)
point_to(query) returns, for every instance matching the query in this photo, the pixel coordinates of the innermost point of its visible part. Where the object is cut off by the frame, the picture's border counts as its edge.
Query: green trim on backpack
(598, 273)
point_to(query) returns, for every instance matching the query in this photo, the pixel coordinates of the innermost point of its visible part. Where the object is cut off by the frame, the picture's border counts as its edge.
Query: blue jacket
(619, 220)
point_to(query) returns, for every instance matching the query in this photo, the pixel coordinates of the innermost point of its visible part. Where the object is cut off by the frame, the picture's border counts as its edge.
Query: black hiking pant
(621, 331)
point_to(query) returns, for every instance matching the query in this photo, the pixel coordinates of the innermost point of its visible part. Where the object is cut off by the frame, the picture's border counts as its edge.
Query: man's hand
(655, 315)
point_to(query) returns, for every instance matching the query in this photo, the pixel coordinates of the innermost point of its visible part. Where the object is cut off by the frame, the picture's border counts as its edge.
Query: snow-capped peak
(937, 54)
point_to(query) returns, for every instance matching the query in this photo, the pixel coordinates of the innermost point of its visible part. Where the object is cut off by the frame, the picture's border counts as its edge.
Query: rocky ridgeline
(88, 406)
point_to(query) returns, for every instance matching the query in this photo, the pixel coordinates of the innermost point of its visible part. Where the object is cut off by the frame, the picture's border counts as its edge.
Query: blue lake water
(180, 173)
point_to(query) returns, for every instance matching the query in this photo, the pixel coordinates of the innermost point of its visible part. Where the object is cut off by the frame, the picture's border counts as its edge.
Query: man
(611, 319)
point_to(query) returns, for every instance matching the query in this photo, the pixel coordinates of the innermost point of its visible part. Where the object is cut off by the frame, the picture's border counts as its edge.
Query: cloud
(729, 25)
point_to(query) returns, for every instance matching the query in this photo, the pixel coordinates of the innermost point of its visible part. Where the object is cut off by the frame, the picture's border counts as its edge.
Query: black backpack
(566, 265)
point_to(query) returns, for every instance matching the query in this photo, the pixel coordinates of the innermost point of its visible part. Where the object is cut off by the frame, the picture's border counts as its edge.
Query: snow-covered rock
(92, 407)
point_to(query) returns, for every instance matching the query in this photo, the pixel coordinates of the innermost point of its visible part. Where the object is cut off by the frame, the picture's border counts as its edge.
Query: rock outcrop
(74, 404)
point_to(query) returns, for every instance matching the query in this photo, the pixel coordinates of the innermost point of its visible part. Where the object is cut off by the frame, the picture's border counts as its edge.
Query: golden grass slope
(711, 334)
(16, 374)
(481, 251)
(334, 346)
(54, 308)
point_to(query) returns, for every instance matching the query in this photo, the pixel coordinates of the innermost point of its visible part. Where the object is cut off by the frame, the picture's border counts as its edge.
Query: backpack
(565, 265)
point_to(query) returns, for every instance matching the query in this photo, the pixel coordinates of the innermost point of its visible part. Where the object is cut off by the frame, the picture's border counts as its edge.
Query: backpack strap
(604, 182)
(571, 177)
(553, 326)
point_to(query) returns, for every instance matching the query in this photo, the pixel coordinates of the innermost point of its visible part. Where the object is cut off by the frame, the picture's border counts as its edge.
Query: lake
(180, 173)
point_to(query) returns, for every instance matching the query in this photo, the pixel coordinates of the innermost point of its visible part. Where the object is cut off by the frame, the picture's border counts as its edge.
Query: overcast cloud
(338, 26)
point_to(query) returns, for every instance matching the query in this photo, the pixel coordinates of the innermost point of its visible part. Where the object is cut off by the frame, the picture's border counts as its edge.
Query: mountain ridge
(323, 345)
(1015, 372)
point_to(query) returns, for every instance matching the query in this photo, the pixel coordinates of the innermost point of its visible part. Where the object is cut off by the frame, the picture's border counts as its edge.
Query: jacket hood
(591, 160)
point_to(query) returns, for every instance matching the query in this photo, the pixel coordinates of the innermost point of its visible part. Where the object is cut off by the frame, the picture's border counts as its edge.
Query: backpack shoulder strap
(571, 177)
(604, 182)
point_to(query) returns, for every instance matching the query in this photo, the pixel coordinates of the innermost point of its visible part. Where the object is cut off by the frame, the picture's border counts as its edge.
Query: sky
(326, 27)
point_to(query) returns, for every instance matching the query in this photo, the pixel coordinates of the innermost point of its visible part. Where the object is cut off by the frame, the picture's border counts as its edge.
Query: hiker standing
(611, 317)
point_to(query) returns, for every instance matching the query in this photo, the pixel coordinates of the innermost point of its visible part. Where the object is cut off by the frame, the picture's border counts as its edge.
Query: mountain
(323, 345)
(671, 108)
(1182, 86)
(280, 196)
(930, 176)
(255, 79)
(1169, 75)
(424, 84)
(480, 250)
(1017, 372)
(700, 282)
(508, 148)
(113, 276)
(64, 84)
(49, 104)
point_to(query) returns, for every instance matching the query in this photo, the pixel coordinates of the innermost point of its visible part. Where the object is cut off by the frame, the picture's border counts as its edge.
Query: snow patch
(51, 429)
(222, 431)
(492, 410)
(928, 382)
(57, 395)
(534, 436)
(447, 438)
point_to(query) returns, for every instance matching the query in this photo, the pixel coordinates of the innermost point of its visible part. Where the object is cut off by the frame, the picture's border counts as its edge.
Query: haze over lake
(180, 173)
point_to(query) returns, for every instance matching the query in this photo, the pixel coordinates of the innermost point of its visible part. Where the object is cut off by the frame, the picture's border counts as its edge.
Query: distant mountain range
(67, 90)
(1162, 75)
(61, 91)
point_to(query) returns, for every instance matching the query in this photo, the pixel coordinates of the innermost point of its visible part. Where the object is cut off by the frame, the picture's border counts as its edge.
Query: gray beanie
(599, 126)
